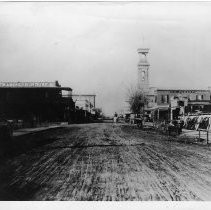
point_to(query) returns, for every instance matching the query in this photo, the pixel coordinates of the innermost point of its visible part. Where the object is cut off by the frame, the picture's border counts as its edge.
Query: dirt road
(107, 162)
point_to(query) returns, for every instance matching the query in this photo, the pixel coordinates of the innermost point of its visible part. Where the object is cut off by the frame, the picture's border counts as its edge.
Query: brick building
(174, 102)
(169, 103)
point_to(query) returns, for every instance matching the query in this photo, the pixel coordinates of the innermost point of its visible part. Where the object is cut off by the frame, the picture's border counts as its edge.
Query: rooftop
(181, 89)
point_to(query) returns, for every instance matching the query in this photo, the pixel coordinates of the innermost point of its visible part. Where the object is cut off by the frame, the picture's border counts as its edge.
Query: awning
(157, 107)
(163, 107)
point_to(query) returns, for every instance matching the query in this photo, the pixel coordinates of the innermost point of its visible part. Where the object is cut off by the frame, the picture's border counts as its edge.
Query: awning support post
(207, 136)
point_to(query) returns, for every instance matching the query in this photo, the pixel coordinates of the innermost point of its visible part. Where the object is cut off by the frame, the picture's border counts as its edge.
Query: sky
(92, 46)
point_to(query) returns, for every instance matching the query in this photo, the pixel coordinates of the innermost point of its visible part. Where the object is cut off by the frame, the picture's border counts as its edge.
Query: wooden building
(36, 102)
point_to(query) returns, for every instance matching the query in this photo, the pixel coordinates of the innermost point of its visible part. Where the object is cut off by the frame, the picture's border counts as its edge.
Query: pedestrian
(181, 124)
(132, 118)
(115, 118)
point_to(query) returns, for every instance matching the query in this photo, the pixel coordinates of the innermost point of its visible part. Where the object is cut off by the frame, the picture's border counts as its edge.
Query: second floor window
(165, 99)
(198, 97)
(162, 99)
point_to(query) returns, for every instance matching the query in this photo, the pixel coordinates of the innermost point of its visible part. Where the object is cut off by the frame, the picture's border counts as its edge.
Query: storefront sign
(28, 84)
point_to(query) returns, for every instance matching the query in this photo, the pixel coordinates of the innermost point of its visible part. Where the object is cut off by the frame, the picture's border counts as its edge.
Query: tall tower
(143, 70)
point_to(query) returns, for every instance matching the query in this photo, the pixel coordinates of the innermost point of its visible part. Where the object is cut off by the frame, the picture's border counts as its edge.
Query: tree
(137, 100)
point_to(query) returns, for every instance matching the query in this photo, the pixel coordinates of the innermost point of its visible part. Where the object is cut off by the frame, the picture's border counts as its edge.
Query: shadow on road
(25, 143)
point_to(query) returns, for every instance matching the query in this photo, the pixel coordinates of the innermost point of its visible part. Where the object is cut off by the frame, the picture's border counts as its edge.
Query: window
(165, 99)
(143, 75)
(198, 97)
(162, 99)
(181, 103)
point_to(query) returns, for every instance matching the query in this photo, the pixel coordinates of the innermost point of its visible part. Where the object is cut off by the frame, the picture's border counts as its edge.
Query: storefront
(35, 102)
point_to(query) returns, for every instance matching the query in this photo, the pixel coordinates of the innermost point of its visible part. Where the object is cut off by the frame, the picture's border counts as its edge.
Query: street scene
(105, 101)
(107, 162)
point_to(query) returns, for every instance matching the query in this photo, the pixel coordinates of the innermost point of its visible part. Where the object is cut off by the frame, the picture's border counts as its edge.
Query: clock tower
(143, 70)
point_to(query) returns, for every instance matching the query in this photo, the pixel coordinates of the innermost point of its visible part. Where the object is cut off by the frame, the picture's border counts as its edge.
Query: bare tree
(137, 100)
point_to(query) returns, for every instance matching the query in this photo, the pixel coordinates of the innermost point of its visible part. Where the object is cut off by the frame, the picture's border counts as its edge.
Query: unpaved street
(106, 162)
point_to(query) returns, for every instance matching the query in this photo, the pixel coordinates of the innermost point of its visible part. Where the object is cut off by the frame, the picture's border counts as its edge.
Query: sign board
(28, 84)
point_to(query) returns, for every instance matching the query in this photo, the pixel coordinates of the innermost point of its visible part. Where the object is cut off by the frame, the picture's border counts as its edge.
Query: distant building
(36, 102)
(85, 101)
(172, 103)
(169, 103)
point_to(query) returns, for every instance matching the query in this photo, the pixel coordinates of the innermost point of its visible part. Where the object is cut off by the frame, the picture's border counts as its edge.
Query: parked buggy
(139, 122)
(175, 127)
(172, 128)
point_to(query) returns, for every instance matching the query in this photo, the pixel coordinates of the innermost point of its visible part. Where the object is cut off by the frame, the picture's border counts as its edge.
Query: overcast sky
(92, 47)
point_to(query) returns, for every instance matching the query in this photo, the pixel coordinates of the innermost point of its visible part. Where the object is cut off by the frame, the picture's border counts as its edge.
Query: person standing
(115, 117)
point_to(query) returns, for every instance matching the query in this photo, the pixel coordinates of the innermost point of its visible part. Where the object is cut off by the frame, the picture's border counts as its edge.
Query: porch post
(158, 116)
(170, 107)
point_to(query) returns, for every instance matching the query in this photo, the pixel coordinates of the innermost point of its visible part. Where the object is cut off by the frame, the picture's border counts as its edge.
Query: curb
(35, 131)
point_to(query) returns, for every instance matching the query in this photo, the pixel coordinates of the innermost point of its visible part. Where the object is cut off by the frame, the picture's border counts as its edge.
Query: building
(85, 107)
(172, 103)
(143, 70)
(85, 101)
(36, 102)
(169, 103)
